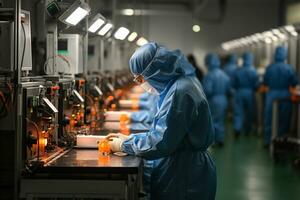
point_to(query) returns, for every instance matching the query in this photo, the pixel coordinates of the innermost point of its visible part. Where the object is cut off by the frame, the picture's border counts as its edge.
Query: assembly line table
(83, 173)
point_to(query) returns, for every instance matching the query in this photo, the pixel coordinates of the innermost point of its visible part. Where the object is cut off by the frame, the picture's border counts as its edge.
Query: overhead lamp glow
(268, 41)
(289, 28)
(267, 34)
(132, 36)
(274, 38)
(141, 41)
(276, 32)
(77, 16)
(196, 28)
(75, 13)
(105, 29)
(121, 33)
(294, 33)
(225, 46)
(282, 36)
(96, 24)
(128, 12)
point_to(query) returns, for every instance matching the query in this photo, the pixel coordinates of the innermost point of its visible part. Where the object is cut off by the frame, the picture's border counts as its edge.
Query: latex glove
(116, 140)
(115, 144)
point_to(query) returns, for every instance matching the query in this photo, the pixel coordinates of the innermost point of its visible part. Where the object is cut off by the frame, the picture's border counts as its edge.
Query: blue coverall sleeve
(208, 86)
(165, 137)
(141, 116)
(146, 116)
(144, 96)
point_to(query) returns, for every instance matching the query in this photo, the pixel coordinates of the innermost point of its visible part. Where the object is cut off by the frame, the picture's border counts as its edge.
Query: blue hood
(159, 65)
(280, 54)
(212, 61)
(247, 59)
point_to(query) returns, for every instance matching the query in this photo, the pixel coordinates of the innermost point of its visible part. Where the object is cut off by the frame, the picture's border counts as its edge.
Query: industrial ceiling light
(282, 36)
(268, 41)
(105, 29)
(289, 28)
(132, 36)
(196, 28)
(121, 33)
(267, 34)
(276, 32)
(77, 11)
(128, 12)
(141, 41)
(274, 38)
(225, 46)
(97, 22)
(294, 33)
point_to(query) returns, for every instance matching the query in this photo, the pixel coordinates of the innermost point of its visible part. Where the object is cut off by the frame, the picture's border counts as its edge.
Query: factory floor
(246, 172)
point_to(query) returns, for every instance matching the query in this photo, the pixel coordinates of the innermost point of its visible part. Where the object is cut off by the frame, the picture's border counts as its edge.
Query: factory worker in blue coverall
(177, 163)
(278, 78)
(216, 85)
(230, 66)
(245, 82)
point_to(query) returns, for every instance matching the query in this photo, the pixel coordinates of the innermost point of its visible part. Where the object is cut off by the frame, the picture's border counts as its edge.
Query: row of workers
(241, 83)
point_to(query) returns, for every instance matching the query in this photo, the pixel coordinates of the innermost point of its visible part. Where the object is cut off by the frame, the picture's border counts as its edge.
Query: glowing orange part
(104, 147)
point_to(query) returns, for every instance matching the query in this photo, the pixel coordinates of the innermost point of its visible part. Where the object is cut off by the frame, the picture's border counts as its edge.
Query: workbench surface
(89, 161)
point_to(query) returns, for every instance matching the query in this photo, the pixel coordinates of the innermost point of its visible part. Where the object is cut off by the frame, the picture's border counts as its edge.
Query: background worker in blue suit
(245, 82)
(176, 145)
(216, 85)
(230, 66)
(278, 78)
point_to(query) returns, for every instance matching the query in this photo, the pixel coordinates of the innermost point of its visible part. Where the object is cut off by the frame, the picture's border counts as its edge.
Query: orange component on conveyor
(103, 147)
(135, 105)
(124, 118)
(124, 129)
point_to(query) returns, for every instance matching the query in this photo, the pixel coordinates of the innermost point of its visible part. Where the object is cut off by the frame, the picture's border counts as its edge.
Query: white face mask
(148, 88)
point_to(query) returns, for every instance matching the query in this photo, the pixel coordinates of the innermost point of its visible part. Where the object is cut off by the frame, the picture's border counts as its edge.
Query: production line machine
(51, 123)
(74, 157)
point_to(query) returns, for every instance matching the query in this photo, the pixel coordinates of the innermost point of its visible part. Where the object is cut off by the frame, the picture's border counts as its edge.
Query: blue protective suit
(231, 66)
(278, 78)
(245, 82)
(147, 101)
(146, 114)
(216, 84)
(177, 163)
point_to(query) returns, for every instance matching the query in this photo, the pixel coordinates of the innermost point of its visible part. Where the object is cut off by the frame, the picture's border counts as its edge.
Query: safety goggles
(138, 79)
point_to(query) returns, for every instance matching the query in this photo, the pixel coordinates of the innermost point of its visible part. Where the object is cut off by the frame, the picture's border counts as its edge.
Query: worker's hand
(294, 91)
(116, 140)
(263, 89)
(115, 144)
(116, 135)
